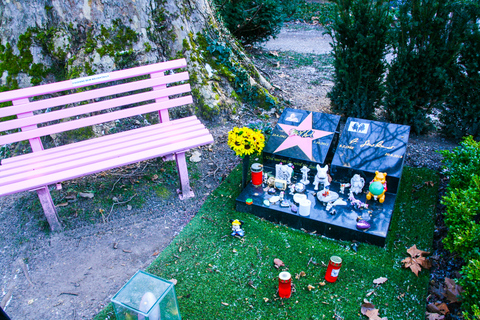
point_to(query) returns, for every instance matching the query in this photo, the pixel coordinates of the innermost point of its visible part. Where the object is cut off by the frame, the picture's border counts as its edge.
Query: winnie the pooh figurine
(378, 187)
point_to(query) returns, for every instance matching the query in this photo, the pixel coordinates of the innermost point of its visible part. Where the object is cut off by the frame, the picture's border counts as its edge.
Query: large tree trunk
(52, 40)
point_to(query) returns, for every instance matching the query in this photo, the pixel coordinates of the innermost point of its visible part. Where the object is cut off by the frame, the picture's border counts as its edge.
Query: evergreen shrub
(460, 114)
(426, 41)
(255, 21)
(462, 218)
(360, 35)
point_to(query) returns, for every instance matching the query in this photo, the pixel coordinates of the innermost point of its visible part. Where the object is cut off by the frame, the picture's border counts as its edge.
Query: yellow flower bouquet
(245, 141)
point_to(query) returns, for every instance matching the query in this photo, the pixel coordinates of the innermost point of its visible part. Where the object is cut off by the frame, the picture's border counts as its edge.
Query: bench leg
(49, 209)
(185, 192)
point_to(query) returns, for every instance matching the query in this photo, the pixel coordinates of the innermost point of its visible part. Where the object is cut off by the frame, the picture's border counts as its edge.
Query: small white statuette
(356, 184)
(321, 177)
(305, 171)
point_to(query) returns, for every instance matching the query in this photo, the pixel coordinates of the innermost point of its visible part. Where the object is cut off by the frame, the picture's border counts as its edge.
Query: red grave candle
(284, 285)
(333, 269)
(257, 174)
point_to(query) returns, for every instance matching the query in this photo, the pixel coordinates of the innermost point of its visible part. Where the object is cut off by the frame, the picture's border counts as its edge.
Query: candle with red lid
(257, 174)
(284, 285)
(333, 269)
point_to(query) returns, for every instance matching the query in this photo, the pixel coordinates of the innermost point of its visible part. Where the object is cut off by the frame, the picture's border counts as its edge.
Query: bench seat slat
(92, 94)
(94, 107)
(102, 165)
(98, 142)
(112, 76)
(149, 140)
(84, 122)
(79, 160)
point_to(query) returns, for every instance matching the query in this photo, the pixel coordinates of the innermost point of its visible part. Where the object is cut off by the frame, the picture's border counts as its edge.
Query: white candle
(304, 209)
(147, 302)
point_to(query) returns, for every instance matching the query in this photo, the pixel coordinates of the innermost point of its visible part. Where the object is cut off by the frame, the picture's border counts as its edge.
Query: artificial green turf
(224, 277)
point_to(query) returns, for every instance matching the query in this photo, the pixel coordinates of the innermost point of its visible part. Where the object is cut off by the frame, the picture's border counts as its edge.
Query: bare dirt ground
(74, 274)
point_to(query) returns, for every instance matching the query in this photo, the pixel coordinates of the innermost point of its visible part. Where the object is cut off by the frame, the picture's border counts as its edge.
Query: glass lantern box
(146, 297)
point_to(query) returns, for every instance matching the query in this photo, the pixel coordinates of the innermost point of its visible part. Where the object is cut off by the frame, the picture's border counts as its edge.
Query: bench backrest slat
(95, 107)
(82, 102)
(96, 79)
(93, 94)
(83, 122)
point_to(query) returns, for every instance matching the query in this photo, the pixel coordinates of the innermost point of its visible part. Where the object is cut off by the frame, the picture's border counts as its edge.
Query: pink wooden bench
(52, 108)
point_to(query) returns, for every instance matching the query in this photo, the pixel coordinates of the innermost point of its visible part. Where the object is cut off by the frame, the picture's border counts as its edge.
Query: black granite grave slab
(301, 138)
(367, 146)
(341, 226)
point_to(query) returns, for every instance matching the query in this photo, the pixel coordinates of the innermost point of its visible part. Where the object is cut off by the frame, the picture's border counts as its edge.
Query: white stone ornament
(321, 177)
(305, 171)
(356, 184)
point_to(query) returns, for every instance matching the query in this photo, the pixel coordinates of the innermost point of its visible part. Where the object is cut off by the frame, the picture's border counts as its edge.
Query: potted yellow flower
(245, 142)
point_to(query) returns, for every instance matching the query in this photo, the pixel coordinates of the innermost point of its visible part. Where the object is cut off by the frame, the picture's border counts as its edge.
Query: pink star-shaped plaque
(301, 136)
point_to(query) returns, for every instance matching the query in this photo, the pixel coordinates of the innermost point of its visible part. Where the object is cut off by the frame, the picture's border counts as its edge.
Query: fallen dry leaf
(278, 263)
(274, 53)
(429, 183)
(434, 316)
(414, 252)
(365, 307)
(299, 275)
(64, 204)
(88, 195)
(416, 260)
(310, 287)
(368, 309)
(432, 307)
(452, 290)
(412, 264)
(443, 308)
(380, 280)
(196, 157)
(372, 314)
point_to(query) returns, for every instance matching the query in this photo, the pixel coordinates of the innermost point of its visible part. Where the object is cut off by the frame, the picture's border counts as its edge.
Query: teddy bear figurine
(378, 187)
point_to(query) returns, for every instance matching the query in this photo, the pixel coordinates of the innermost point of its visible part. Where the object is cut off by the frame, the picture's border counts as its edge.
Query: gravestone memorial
(301, 138)
(345, 205)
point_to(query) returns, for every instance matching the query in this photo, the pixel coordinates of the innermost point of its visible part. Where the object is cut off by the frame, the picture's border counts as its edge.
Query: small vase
(245, 168)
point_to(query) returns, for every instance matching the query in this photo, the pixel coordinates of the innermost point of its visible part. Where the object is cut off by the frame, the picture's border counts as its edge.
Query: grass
(223, 277)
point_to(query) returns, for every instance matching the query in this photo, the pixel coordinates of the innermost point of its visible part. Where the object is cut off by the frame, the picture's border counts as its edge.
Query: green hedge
(462, 218)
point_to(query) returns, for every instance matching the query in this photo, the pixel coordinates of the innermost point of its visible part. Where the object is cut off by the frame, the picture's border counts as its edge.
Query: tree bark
(52, 40)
